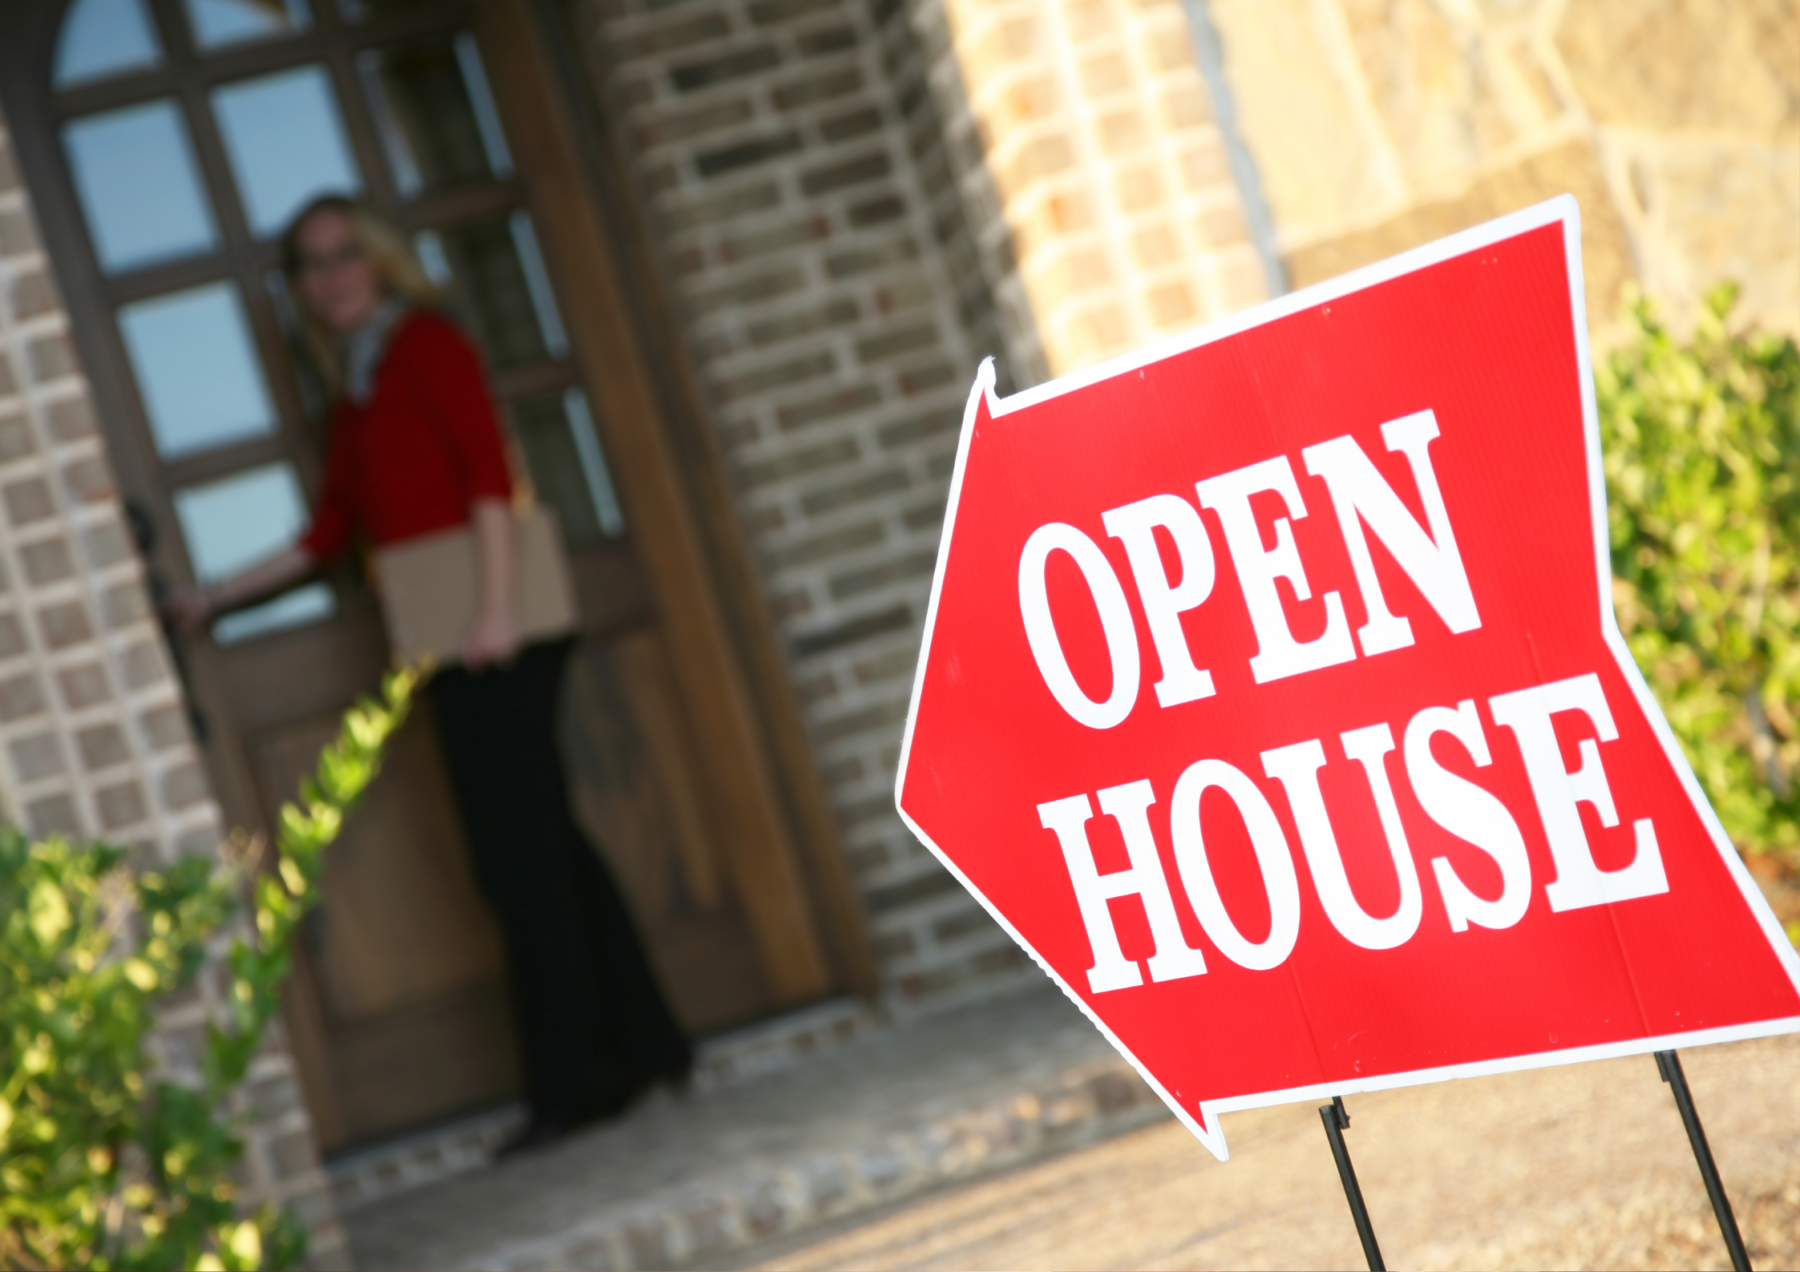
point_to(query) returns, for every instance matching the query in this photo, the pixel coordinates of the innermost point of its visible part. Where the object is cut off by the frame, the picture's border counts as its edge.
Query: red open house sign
(1271, 697)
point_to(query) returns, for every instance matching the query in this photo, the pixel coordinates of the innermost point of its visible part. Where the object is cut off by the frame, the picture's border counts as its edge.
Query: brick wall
(792, 171)
(1096, 165)
(971, 185)
(1381, 124)
(854, 202)
(94, 738)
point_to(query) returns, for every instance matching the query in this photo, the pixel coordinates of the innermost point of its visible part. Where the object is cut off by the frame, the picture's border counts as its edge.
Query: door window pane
(197, 369)
(495, 273)
(104, 37)
(437, 120)
(286, 142)
(217, 23)
(139, 186)
(567, 468)
(237, 521)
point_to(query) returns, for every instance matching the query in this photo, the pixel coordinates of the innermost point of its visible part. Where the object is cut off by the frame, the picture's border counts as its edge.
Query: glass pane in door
(495, 274)
(285, 138)
(567, 468)
(216, 23)
(139, 186)
(101, 38)
(198, 374)
(437, 120)
(237, 521)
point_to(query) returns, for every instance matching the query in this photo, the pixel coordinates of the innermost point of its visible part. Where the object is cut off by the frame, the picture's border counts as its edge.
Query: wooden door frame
(773, 812)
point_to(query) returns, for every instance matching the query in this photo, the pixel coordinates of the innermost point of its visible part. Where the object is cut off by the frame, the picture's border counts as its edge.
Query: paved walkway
(943, 1142)
(894, 1113)
(1578, 1167)
(1010, 1136)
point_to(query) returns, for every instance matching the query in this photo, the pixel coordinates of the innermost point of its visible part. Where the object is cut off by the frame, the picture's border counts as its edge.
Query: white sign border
(1203, 1120)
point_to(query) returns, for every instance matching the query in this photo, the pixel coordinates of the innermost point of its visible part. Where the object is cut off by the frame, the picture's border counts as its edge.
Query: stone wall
(791, 171)
(94, 739)
(1380, 124)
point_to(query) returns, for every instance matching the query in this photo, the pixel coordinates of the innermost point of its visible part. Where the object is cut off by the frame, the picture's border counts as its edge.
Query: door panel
(611, 588)
(406, 966)
(401, 921)
(410, 1068)
(639, 799)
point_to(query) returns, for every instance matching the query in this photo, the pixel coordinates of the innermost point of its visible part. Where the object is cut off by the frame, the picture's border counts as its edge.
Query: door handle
(143, 533)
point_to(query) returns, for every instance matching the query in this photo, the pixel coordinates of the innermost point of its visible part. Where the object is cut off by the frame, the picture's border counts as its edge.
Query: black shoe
(679, 1079)
(535, 1134)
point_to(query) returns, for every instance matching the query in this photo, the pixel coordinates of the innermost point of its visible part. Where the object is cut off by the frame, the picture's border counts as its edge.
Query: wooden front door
(168, 142)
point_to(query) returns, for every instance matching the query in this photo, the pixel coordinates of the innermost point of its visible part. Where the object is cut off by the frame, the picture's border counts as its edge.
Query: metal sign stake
(1337, 1121)
(1669, 1065)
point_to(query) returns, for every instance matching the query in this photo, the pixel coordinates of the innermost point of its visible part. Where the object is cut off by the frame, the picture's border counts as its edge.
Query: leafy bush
(105, 1162)
(1702, 455)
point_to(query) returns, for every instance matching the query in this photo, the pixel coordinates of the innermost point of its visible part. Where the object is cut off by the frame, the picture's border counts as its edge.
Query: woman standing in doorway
(416, 449)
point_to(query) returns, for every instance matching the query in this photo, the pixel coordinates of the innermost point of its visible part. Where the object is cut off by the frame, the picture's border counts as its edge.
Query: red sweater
(410, 460)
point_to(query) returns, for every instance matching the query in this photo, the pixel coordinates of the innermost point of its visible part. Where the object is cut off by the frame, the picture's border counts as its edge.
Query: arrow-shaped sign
(1271, 698)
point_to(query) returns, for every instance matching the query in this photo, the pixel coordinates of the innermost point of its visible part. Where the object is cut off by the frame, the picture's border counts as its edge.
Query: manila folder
(428, 588)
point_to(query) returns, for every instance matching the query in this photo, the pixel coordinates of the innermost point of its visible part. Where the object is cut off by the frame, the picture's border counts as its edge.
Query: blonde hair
(397, 269)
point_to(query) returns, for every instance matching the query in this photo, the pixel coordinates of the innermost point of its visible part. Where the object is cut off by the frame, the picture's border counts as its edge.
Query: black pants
(593, 1024)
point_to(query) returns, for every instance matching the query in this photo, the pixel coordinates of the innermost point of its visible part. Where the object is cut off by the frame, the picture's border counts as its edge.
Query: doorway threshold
(682, 1181)
(423, 1157)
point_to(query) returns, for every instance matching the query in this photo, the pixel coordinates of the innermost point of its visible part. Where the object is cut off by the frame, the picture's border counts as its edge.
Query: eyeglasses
(320, 263)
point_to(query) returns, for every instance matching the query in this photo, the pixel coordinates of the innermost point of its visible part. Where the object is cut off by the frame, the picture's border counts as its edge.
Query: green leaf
(49, 911)
(1701, 442)
(85, 1131)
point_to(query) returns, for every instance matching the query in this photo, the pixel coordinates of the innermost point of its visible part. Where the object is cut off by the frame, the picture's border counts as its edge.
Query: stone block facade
(94, 736)
(1380, 124)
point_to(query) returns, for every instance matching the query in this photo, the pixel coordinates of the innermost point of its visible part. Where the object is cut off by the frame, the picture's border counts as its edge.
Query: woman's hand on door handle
(188, 610)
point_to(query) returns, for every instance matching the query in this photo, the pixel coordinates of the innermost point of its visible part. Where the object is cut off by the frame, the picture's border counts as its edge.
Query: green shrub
(104, 1162)
(1702, 455)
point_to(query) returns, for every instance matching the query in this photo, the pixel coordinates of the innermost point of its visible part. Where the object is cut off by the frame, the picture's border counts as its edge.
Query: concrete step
(886, 1115)
(417, 1160)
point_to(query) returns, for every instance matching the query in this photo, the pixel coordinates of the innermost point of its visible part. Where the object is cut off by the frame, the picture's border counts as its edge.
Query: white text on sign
(1364, 503)
(1460, 806)
(1361, 498)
